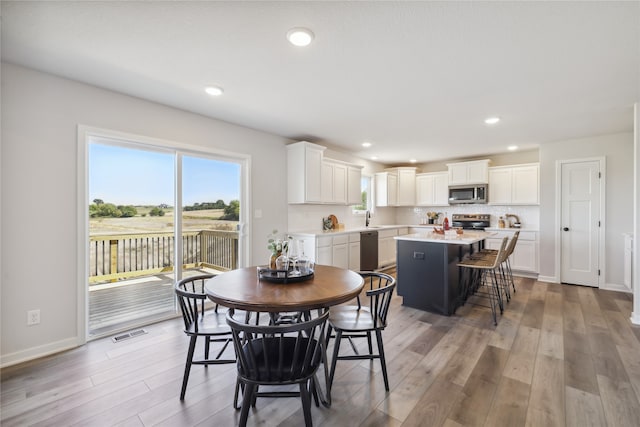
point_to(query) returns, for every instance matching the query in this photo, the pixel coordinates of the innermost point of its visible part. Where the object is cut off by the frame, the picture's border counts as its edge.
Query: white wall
(618, 150)
(40, 115)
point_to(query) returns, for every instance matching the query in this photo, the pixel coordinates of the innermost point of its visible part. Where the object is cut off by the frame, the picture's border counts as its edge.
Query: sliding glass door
(156, 215)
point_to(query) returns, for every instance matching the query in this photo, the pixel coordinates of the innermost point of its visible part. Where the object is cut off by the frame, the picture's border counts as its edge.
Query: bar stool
(484, 273)
(505, 267)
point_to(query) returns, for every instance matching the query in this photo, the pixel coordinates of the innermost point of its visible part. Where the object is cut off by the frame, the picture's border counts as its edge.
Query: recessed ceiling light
(214, 90)
(374, 158)
(366, 144)
(492, 120)
(412, 160)
(300, 36)
(512, 147)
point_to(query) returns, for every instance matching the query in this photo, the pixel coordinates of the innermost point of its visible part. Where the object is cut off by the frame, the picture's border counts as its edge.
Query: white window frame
(85, 135)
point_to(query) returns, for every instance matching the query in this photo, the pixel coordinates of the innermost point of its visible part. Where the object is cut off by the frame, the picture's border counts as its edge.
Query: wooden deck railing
(121, 256)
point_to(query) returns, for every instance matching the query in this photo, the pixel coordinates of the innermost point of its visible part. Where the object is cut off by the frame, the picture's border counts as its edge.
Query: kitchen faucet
(367, 218)
(511, 224)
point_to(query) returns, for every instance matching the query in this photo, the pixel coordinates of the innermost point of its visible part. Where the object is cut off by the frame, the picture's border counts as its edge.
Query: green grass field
(191, 221)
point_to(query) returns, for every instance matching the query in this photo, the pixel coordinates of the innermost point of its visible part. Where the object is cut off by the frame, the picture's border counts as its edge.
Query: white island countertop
(450, 237)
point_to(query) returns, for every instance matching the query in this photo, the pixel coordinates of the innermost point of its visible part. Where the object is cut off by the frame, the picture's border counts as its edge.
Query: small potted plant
(432, 216)
(276, 246)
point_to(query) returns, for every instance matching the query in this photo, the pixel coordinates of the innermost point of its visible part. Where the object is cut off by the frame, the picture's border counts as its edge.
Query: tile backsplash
(309, 217)
(529, 215)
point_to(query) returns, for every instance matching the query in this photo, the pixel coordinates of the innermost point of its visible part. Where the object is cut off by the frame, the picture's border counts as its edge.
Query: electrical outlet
(33, 317)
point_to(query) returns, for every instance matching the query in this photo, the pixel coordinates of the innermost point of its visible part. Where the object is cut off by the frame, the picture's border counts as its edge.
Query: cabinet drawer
(342, 239)
(324, 241)
(387, 233)
(354, 237)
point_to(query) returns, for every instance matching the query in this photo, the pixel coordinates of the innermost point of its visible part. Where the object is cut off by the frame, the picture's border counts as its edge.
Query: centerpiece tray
(282, 276)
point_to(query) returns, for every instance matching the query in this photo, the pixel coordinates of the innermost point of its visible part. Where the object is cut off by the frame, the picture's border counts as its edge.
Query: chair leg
(247, 398)
(369, 342)
(336, 349)
(187, 366)
(306, 403)
(383, 361)
(207, 344)
(237, 393)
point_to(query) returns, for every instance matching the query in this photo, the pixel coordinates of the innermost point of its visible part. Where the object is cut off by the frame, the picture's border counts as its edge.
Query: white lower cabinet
(342, 250)
(354, 251)
(387, 247)
(525, 254)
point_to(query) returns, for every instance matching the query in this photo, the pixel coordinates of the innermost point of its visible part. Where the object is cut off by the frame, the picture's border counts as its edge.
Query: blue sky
(124, 176)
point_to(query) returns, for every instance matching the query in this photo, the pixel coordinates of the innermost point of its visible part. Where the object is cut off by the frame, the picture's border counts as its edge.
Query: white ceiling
(416, 79)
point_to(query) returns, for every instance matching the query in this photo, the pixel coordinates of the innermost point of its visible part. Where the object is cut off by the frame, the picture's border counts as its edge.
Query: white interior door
(580, 218)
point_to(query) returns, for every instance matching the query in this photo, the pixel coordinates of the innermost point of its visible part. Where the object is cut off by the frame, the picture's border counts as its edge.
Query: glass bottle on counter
(445, 224)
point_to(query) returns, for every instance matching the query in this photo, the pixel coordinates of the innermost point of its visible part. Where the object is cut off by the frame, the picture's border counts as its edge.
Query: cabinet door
(525, 185)
(406, 187)
(313, 174)
(339, 184)
(500, 185)
(424, 190)
(492, 244)
(354, 191)
(354, 256)
(524, 257)
(324, 255)
(340, 256)
(327, 182)
(457, 174)
(441, 189)
(477, 173)
(392, 188)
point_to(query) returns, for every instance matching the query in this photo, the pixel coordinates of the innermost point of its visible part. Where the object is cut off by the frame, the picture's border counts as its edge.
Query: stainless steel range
(471, 221)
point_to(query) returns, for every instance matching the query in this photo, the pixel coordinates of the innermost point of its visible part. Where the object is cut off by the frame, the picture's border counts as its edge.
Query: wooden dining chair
(363, 320)
(279, 354)
(210, 325)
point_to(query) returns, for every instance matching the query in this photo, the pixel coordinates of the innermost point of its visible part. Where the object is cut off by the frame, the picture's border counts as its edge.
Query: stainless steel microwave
(475, 193)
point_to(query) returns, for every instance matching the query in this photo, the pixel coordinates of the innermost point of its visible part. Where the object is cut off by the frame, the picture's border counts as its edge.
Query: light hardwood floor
(560, 355)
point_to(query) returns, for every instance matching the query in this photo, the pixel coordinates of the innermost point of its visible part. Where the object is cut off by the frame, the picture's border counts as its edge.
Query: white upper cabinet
(432, 189)
(406, 186)
(304, 172)
(313, 179)
(386, 189)
(514, 185)
(334, 182)
(354, 187)
(396, 187)
(473, 172)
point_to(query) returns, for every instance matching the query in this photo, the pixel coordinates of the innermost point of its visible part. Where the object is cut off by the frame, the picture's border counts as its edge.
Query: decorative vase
(272, 262)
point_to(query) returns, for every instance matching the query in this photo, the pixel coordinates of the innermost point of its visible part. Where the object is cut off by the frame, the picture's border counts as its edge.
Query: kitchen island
(428, 276)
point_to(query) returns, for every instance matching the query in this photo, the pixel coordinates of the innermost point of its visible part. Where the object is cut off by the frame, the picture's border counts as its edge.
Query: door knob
(566, 229)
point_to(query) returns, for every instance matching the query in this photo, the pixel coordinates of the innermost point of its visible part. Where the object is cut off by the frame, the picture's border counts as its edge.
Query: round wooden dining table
(243, 290)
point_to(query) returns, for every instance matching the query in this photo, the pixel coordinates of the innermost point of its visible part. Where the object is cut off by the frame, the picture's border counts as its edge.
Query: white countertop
(511, 229)
(347, 230)
(467, 238)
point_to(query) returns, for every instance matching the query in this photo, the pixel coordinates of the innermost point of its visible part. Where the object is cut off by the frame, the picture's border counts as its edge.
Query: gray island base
(428, 276)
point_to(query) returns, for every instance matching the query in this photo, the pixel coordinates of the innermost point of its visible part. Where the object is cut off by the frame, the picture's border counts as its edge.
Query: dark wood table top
(241, 289)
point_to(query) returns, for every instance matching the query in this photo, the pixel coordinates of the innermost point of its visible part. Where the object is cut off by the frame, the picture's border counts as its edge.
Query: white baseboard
(615, 287)
(527, 275)
(635, 318)
(549, 279)
(36, 352)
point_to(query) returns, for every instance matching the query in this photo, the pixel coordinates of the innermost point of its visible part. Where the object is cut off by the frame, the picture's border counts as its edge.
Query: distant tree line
(207, 205)
(100, 209)
(231, 211)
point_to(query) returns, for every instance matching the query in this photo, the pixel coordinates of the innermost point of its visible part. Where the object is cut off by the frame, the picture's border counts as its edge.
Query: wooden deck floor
(123, 304)
(560, 356)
